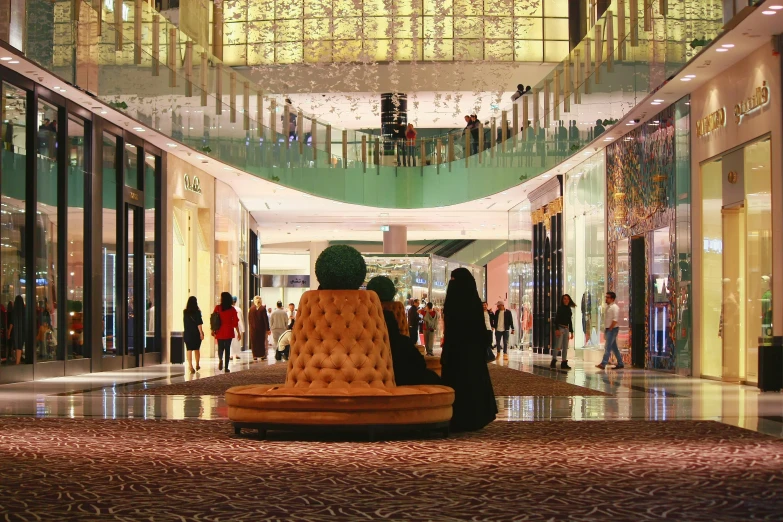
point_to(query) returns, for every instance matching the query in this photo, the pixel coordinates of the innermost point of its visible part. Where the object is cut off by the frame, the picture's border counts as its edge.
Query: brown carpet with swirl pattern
(128, 470)
(505, 381)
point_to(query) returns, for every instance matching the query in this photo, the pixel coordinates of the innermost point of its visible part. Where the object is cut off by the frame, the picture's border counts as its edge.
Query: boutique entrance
(736, 261)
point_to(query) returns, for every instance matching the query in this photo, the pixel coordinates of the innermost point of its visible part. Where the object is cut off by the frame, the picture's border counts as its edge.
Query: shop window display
(736, 242)
(75, 306)
(12, 223)
(585, 247)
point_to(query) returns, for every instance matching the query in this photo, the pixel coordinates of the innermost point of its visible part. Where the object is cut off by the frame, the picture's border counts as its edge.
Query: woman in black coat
(464, 351)
(410, 368)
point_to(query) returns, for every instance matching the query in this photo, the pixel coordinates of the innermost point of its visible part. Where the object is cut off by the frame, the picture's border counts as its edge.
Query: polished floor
(635, 395)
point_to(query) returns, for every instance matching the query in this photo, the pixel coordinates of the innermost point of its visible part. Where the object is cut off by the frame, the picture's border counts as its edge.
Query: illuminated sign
(384, 228)
(711, 122)
(754, 102)
(192, 186)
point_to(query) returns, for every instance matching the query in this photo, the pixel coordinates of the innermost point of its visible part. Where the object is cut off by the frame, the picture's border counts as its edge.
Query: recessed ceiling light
(6, 58)
(103, 112)
(776, 7)
(658, 100)
(172, 145)
(727, 46)
(685, 79)
(689, 76)
(721, 50)
(56, 87)
(655, 103)
(608, 139)
(14, 61)
(768, 12)
(138, 129)
(227, 168)
(629, 124)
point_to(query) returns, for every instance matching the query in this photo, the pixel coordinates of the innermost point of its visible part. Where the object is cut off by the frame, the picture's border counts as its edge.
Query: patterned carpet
(506, 382)
(128, 470)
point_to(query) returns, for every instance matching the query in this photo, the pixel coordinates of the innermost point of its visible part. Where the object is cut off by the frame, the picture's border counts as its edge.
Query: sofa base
(372, 430)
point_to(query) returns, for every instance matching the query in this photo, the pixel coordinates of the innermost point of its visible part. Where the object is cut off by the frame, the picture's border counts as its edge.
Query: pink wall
(497, 280)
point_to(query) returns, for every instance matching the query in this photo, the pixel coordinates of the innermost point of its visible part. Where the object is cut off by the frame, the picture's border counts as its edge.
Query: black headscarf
(463, 311)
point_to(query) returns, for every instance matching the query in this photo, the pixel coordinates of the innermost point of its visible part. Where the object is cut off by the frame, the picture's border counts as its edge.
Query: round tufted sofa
(340, 374)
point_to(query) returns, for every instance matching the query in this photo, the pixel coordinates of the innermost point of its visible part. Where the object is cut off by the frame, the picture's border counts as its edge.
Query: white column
(395, 240)
(316, 247)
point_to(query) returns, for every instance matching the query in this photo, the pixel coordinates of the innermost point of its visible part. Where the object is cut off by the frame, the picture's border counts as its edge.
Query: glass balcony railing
(139, 63)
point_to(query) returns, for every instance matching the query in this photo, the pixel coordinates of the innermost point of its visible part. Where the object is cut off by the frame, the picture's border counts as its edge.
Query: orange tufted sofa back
(398, 309)
(340, 340)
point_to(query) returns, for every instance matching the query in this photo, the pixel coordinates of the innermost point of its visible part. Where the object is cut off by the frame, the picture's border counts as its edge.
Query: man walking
(489, 320)
(278, 322)
(430, 321)
(611, 321)
(413, 321)
(503, 324)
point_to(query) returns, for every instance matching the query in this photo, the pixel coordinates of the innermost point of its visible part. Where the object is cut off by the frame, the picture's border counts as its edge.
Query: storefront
(736, 160)
(424, 277)
(648, 240)
(585, 248)
(81, 200)
(191, 244)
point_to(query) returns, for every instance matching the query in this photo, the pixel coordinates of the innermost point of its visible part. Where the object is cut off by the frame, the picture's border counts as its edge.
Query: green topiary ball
(384, 287)
(340, 267)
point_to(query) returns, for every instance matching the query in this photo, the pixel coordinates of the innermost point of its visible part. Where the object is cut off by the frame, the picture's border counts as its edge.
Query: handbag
(490, 355)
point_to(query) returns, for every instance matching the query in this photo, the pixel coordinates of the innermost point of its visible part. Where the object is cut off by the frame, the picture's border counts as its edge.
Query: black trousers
(224, 351)
(413, 332)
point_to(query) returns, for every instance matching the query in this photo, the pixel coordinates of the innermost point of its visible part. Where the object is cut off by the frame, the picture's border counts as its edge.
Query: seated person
(409, 365)
(284, 346)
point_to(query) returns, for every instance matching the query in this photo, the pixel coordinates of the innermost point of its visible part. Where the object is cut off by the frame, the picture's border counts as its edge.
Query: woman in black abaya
(463, 358)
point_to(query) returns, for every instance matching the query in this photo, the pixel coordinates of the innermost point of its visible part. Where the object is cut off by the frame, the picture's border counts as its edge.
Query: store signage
(298, 281)
(420, 281)
(711, 122)
(384, 228)
(757, 100)
(194, 185)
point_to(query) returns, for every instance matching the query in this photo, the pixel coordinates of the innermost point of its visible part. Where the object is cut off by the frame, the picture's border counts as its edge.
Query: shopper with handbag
(224, 321)
(194, 332)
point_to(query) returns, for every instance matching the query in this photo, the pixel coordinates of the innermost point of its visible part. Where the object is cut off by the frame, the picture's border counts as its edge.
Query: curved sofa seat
(258, 404)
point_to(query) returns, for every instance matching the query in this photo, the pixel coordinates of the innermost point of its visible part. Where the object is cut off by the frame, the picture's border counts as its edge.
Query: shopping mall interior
(391, 259)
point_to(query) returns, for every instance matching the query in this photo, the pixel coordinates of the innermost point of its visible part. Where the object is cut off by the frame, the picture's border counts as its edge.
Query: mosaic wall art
(641, 181)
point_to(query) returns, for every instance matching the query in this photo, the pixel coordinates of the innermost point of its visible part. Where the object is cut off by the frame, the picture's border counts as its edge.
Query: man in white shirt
(612, 324)
(489, 318)
(278, 323)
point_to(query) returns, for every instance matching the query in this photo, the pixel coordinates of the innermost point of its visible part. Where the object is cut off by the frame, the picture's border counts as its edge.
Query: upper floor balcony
(130, 57)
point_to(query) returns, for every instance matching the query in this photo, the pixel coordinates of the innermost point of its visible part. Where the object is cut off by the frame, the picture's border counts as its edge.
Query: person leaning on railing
(410, 142)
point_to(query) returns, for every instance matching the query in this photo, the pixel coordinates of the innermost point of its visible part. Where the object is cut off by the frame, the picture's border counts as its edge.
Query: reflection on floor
(635, 394)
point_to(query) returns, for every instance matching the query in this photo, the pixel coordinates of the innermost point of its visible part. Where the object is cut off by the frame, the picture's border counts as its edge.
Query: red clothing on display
(229, 320)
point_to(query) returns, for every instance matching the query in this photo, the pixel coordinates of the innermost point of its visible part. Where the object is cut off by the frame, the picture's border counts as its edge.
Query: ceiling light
(56, 87)
(629, 124)
(727, 46)
(655, 103)
(660, 100)
(172, 145)
(776, 7)
(14, 61)
(227, 168)
(103, 112)
(762, 12)
(687, 79)
(6, 58)
(138, 129)
(721, 50)
(689, 76)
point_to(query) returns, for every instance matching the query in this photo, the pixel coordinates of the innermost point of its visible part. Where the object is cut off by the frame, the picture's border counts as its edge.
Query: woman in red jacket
(229, 322)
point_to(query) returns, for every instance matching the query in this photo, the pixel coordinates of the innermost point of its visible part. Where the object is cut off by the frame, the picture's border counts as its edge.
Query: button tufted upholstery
(398, 309)
(340, 372)
(339, 341)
